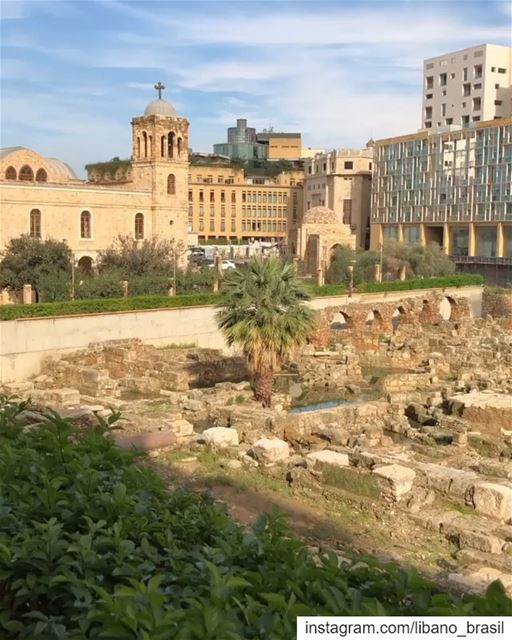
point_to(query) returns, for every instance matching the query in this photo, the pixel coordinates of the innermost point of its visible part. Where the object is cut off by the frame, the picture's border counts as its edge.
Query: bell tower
(160, 165)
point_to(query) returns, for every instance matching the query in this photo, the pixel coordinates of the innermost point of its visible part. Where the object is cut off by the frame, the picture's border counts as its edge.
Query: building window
(85, 224)
(477, 103)
(498, 103)
(233, 197)
(212, 196)
(428, 113)
(201, 196)
(465, 120)
(348, 164)
(223, 225)
(212, 224)
(477, 71)
(10, 173)
(220, 179)
(139, 226)
(41, 175)
(347, 212)
(233, 226)
(171, 184)
(442, 79)
(170, 145)
(26, 174)
(501, 70)
(190, 196)
(35, 223)
(223, 196)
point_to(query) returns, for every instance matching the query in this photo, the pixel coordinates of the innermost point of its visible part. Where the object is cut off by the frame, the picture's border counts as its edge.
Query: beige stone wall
(112, 213)
(341, 180)
(282, 147)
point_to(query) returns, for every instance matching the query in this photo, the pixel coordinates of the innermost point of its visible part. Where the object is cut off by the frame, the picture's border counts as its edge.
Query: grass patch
(177, 345)
(351, 481)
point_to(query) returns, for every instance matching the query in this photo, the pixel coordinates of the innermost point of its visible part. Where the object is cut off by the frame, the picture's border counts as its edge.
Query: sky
(74, 72)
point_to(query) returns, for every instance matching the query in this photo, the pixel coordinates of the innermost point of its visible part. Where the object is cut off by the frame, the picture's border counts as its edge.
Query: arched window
(171, 184)
(145, 141)
(26, 173)
(10, 173)
(150, 148)
(139, 226)
(35, 223)
(138, 146)
(170, 145)
(41, 175)
(179, 147)
(85, 224)
(162, 146)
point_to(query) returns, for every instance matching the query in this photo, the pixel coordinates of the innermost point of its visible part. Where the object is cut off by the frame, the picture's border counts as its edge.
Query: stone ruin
(434, 442)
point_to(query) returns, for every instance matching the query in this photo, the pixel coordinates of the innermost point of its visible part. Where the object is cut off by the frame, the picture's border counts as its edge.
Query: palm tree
(263, 311)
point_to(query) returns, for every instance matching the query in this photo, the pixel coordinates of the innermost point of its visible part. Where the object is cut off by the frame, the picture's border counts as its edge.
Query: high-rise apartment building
(341, 180)
(468, 86)
(453, 188)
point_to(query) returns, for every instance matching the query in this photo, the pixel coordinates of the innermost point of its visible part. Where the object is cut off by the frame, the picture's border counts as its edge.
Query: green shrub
(112, 305)
(459, 280)
(94, 546)
(107, 285)
(54, 286)
(149, 285)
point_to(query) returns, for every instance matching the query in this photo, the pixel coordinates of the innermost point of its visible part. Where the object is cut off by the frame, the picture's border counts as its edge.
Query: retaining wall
(24, 342)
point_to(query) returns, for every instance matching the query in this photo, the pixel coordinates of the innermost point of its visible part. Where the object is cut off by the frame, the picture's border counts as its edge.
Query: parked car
(224, 264)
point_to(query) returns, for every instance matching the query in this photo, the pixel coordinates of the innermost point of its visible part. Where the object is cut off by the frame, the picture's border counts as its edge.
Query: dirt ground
(322, 517)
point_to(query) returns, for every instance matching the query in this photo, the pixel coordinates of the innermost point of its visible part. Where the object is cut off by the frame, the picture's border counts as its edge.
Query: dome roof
(320, 215)
(160, 107)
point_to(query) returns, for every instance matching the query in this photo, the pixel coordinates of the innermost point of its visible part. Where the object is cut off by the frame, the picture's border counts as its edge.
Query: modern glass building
(452, 187)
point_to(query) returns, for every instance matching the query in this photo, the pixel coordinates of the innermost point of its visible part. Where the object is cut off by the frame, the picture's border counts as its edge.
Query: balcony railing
(481, 260)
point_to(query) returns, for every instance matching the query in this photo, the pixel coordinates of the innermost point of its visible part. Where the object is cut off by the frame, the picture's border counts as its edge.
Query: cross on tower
(159, 87)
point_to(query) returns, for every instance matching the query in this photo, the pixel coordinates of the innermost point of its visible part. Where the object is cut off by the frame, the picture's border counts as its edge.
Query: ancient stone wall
(109, 368)
(364, 324)
(497, 303)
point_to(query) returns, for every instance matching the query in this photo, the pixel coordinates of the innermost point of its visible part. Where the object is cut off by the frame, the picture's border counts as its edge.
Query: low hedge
(94, 546)
(462, 280)
(106, 305)
(110, 305)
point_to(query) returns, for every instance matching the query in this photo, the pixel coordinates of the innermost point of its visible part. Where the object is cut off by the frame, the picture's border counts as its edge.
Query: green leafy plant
(92, 545)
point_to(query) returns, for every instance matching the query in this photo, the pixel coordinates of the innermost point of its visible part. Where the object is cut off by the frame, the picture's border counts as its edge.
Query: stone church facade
(145, 197)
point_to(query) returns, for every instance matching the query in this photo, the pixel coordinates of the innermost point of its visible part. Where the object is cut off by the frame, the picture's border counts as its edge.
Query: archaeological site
(390, 432)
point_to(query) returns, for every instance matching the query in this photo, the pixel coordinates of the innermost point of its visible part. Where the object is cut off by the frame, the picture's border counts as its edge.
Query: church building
(144, 197)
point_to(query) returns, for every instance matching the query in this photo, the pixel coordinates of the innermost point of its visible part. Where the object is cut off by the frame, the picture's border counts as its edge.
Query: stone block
(220, 437)
(400, 478)
(328, 457)
(492, 499)
(478, 581)
(480, 541)
(146, 441)
(180, 427)
(65, 397)
(268, 450)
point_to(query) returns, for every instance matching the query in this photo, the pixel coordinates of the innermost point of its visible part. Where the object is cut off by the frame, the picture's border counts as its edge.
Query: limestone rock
(328, 457)
(221, 437)
(492, 499)
(400, 478)
(270, 450)
(180, 427)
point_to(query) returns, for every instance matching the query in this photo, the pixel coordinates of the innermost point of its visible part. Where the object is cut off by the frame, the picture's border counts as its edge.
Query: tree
(342, 257)
(42, 264)
(131, 257)
(263, 311)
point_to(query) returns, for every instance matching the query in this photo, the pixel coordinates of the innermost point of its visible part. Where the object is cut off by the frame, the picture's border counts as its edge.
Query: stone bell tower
(160, 164)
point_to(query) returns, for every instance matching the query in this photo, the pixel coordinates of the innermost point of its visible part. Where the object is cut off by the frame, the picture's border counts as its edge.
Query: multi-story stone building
(472, 85)
(453, 188)
(226, 204)
(143, 197)
(341, 181)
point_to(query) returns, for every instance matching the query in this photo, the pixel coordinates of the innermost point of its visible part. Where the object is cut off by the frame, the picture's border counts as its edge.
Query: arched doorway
(341, 322)
(85, 266)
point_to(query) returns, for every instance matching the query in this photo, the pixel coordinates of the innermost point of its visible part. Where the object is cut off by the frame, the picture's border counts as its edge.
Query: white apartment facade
(467, 86)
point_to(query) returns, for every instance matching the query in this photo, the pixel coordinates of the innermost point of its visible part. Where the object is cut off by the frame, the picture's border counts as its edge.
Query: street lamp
(350, 270)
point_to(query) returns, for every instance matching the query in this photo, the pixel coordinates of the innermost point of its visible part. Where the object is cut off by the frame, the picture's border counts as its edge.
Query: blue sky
(74, 73)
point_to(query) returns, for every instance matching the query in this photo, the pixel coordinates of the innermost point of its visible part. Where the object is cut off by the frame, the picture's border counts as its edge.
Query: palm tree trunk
(263, 386)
